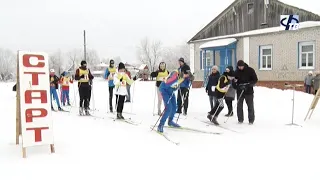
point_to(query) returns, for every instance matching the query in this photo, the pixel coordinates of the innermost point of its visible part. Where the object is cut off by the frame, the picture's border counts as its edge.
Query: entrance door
(223, 61)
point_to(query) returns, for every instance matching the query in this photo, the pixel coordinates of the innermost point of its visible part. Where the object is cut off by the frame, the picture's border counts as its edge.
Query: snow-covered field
(88, 148)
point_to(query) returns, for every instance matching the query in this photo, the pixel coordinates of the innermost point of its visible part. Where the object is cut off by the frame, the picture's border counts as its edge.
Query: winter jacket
(222, 87)
(83, 76)
(231, 93)
(160, 75)
(246, 76)
(109, 73)
(171, 83)
(54, 81)
(185, 69)
(308, 80)
(212, 83)
(316, 81)
(120, 80)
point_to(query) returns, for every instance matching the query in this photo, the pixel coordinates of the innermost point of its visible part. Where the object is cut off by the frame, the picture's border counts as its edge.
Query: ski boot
(111, 110)
(69, 104)
(86, 110)
(160, 128)
(60, 109)
(159, 112)
(213, 119)
(185, 113)
(81, 111)
(173, 124)
(229, 114)
(119, 116)
(52, 108)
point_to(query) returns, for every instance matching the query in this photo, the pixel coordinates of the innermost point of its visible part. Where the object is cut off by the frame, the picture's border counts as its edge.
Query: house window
(250, 8)
(306, 55)
(265, 58)
(206, 59)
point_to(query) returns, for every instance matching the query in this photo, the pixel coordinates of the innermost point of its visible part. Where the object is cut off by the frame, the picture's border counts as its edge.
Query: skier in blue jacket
(167, 89)
(108, 75)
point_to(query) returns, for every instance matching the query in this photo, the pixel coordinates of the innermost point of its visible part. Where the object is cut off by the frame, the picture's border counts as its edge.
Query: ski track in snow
(100, 148)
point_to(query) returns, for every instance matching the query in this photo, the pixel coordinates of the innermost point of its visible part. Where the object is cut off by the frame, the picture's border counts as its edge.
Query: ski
(219, 126)
(193, 130)
(126, 120)
(166, 137)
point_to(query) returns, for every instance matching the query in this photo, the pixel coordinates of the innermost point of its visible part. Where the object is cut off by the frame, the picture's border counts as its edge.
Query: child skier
(54, 80)
(108, 75)
(167, 89)
(65, 81)
(121, 79)
(83, 76)
(160, 75)
(231, 93)
(221, 89)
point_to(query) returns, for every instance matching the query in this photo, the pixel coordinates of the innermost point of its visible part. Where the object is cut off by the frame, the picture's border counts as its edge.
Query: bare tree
(58, 62)
(150, 53)
(92, 57)
(171, 55)
(7, 64)
(75, 57)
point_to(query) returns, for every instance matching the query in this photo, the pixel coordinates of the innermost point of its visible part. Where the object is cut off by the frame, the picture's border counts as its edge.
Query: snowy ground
(95, 149)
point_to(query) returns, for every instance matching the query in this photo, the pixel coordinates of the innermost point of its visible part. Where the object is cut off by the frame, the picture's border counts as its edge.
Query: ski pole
(184, 99)
(93, 102)
(163, 111)
(131, 97)
(235, 106)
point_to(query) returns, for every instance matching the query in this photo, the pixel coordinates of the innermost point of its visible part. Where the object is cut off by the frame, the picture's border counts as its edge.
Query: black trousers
(89, 98)
(228, 101)
(84, 93)
(120, 103)
(185, 93)
(249, 101)
(110, 97)
(218, 107)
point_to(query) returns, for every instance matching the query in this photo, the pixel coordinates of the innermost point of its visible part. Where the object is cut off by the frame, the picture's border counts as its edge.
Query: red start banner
(35, 105)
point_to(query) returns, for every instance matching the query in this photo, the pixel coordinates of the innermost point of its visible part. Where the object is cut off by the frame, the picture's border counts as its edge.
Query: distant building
(144, 72)
(250, 30)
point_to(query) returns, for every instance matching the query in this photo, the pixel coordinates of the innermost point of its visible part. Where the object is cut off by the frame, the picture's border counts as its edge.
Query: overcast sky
(114, 28)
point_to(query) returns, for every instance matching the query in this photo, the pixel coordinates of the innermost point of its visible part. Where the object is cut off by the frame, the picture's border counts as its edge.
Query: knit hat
(121, 66)
(181, 60)
(240, 63)
(111, 61)
(51, 70)
(83, 63)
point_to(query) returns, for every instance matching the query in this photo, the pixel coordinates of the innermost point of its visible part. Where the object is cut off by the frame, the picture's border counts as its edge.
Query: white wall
(192, 57)
(246, 50)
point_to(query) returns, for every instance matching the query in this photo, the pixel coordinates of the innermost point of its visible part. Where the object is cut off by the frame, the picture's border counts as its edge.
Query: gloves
(82, 76)
(121, 79)
(135, 78)
(244, 86)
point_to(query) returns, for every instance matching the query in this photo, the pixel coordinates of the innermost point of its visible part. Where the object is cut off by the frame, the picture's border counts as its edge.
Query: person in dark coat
(54, 85)
(211, 85)
(245, 79)
(183, 92)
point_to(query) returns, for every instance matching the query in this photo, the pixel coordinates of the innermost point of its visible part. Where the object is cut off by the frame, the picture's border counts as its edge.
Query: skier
(109, 75)
(221, 89)
(245, 79)
(167, 89)
(212, 83)
(121, 79)
(128, 97)
(230, 95)
(160, 76)
(183, 92)
(83, 76)
(54, 80)
(65, 82)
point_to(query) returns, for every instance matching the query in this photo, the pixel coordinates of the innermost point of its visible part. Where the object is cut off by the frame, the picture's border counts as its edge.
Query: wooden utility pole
(85, 45)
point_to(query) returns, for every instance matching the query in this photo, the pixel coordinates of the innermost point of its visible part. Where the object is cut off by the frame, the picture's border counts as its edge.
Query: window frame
(307, 67)
(261, 48)
(204, 62)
